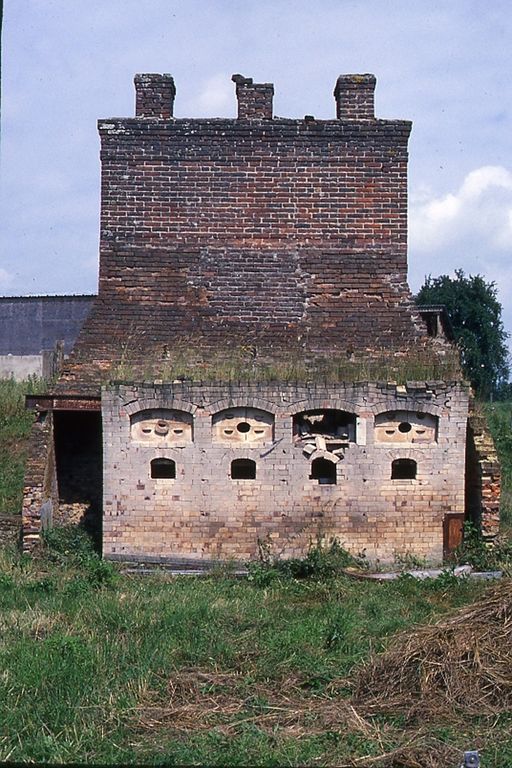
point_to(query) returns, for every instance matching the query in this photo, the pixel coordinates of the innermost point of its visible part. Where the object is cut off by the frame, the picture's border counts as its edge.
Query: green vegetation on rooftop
(243, 365)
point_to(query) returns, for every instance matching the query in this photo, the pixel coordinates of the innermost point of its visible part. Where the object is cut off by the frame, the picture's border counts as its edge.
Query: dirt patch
(431, 678)
(200, 700)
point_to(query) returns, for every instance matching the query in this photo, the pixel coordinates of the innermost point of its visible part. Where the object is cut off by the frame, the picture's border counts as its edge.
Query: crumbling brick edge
(40, 494)
(484, 507)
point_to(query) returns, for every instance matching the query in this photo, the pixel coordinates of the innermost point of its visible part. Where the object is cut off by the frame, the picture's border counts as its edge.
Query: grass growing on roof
(240, 365)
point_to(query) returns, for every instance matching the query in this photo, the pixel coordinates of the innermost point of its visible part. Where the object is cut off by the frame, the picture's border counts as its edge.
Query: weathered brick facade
(266, 257)
(204, 510)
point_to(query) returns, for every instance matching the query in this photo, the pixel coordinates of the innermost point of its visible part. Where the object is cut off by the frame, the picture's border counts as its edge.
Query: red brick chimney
(154, 96)
(354, 97)
(254, 99)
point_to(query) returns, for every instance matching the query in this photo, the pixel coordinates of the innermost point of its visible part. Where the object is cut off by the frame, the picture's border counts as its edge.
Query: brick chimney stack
(154, 96)
(354, 97)
(254, 99)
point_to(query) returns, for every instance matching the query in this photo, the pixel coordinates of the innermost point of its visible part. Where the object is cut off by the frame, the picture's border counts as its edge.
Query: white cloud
(469, 229)
(216, 97)
(480, 210)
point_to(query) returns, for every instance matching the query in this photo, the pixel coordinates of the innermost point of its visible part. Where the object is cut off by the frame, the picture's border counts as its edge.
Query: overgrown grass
(15, 423)
(483, 555)
(103, 667)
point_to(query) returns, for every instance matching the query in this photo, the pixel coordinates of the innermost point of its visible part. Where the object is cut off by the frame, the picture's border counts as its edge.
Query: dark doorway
(473, 481)
(78, 454)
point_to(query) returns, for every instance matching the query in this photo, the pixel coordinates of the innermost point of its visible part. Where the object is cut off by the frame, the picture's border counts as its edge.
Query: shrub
(72, 545)
(323, 560)
(484, 555)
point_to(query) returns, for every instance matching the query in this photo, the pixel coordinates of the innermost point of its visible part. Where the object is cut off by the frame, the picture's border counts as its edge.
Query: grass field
(101, 667)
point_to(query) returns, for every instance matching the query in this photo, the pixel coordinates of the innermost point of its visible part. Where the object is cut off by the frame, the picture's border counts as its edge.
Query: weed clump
(324, 560)
(72, 546)
(485, 555)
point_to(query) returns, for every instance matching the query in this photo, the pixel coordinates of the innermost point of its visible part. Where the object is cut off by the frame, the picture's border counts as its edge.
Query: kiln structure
(254, 370)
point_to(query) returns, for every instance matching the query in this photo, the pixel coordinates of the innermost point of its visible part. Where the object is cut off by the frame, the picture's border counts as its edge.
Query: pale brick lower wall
(202, 513)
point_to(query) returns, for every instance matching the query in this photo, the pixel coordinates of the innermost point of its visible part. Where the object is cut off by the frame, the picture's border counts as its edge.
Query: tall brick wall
(281, 242)
(274, 242)
(282, 234)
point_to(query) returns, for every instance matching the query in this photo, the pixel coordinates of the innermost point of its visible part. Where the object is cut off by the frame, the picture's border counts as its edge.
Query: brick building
(254, 369)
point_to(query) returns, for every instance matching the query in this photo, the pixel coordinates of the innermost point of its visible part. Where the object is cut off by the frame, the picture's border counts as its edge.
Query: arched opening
(403, 469)
(243, 469)
(161, 426)
(324, 471)
(406, 427)
(242, 425)
(332, 425)
(163, 469)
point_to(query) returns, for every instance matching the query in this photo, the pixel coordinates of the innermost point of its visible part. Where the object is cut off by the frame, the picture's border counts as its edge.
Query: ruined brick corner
(483, 473)
(40, 497)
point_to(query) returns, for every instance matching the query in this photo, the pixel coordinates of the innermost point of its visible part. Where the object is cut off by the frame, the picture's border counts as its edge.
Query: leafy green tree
(475, 314)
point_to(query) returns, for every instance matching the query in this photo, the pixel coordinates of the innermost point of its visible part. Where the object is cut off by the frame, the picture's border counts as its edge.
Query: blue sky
(445, 65)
